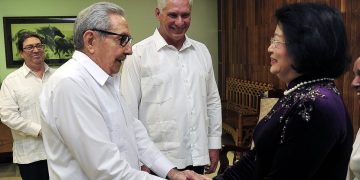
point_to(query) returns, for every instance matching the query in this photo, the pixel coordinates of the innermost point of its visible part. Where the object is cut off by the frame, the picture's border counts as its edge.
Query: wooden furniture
(245, 29)
(224, 160)
(5, 144)
(267, 101)
(241, 108)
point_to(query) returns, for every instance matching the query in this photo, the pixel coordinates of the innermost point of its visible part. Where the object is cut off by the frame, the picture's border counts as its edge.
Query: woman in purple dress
(308, 134)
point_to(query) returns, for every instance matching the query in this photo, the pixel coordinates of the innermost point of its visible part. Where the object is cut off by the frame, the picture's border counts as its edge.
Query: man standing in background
(169, 85)
(354, 164)
(20, 111)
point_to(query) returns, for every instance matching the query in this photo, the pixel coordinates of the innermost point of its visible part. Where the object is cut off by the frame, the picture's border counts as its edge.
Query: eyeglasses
(32, 47)
(275, 43)
(123, 38)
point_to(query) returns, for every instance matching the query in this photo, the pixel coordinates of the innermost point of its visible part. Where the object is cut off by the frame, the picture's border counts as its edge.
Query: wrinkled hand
(185, 175)
(214, 159)
(145, 168)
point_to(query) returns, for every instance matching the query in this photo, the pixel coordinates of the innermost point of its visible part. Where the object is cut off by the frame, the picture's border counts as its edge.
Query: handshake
(185, 175)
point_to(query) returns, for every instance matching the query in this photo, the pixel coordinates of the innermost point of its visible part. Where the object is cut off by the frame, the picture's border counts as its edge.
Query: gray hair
(96, 16)
(162, 3)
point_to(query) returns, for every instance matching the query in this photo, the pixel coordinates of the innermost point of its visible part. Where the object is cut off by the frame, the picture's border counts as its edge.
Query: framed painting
(56, 33)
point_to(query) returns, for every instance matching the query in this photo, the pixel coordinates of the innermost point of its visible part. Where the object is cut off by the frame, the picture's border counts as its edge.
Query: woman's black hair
(315, 39)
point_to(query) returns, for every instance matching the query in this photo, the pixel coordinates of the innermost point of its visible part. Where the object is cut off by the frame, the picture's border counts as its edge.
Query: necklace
(304, 83)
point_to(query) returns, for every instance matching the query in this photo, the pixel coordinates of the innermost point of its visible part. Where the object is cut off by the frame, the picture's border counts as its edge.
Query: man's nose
(128, 49)
(179, 20)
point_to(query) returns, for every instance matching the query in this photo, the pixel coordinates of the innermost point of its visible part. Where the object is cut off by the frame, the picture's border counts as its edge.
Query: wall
(141, 19)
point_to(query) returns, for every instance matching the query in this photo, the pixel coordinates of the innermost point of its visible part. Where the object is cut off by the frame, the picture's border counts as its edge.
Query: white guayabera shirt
(174, 93)
(354, 164)
(20, 111)
(87, 130)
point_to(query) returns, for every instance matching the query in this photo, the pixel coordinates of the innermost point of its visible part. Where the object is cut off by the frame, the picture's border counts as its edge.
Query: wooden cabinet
(5, 139)
(6, 143)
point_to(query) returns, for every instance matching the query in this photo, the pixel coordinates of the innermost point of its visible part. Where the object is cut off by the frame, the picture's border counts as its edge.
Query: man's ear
(89, 41)
(157, 13)
(21, 54)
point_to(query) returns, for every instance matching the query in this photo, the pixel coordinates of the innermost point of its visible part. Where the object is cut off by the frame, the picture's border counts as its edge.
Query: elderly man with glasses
(19, 107)
(89, 133)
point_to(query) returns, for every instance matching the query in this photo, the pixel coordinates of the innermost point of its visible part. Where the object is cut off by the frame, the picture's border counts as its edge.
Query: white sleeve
(11, 115)
(213, 107)
(150, 155)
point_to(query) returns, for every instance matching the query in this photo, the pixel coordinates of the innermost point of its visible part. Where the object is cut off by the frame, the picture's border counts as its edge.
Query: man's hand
(185, 175)
(214, 159)
(145, 168)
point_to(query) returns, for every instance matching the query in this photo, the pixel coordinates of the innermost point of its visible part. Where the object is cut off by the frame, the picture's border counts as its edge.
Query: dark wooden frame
(41, 20)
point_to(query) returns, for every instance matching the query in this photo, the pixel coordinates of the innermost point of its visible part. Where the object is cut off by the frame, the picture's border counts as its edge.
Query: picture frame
(56, 33)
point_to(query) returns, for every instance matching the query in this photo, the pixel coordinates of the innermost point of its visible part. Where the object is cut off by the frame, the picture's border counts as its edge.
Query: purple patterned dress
(307, 135)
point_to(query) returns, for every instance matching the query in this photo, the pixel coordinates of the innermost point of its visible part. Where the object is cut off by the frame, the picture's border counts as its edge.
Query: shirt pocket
(26, 99)
(164, 134)
(157, 88)
(26, 145)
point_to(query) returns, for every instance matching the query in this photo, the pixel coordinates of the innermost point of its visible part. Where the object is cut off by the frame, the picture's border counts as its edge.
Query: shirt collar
(160, 41)
(91, 67)
(26, 70)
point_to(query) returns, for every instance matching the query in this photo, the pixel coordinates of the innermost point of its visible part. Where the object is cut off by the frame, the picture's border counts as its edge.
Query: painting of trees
(56, 33)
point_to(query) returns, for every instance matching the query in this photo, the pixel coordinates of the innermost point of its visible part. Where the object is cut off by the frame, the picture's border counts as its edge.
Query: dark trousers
(197, 169)
(34, 171)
